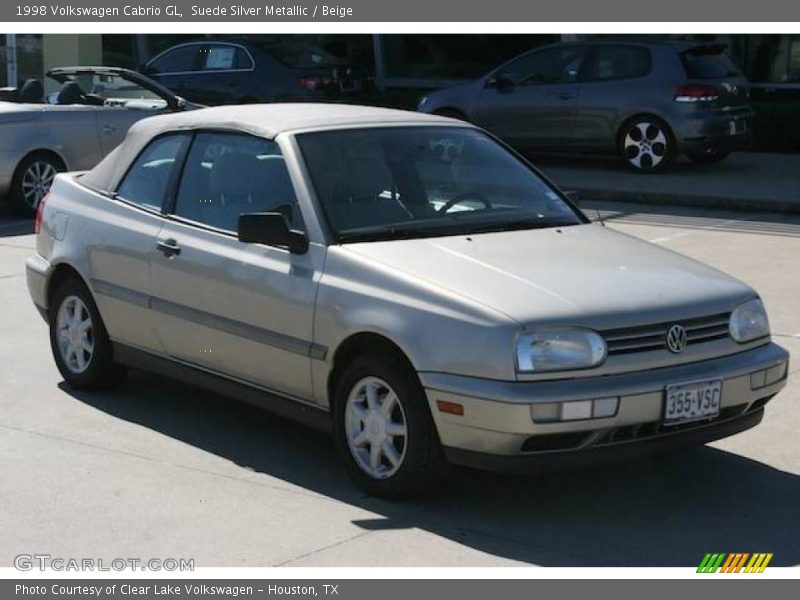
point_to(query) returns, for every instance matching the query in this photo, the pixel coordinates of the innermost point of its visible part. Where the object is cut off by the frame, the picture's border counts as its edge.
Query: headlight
(422, 102)
(559, 350)
(749, 322)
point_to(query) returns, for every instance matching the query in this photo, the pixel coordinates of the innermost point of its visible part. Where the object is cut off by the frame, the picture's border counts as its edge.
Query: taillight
(37, 222)
(314, 83)
(696, 93)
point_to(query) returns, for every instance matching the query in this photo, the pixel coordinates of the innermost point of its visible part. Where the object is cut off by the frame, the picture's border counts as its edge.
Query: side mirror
(500, 82)
(273, 229)
(573, 196)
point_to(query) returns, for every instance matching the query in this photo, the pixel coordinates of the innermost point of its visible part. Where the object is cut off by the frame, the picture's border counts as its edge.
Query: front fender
(438, 332)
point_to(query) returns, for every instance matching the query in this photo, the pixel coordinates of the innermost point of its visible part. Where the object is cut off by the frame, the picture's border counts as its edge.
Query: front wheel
(384, 429)
(646, 145)
(79, 340)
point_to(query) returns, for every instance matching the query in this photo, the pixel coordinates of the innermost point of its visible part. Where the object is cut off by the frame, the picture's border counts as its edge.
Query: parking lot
(158, 469)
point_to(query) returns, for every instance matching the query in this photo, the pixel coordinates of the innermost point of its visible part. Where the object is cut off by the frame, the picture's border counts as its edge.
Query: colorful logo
(735, 562)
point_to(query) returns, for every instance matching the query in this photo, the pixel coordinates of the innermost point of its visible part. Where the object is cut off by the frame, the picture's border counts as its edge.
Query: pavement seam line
(166, 463)
(693, 231)
(323, 548)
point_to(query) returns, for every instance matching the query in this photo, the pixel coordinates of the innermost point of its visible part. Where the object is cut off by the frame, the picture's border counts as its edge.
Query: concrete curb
(698, 201)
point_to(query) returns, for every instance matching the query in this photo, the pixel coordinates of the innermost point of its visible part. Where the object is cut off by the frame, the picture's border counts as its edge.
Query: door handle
(169, 247)
(566, 96)
(109, 129)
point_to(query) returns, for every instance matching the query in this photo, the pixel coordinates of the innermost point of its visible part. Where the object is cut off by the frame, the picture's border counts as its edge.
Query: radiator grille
(646, 338)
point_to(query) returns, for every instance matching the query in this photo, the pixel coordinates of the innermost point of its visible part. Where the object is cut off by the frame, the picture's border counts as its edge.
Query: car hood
(584, 275)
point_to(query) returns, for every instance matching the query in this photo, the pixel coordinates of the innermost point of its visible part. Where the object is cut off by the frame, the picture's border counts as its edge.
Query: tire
(32, 180)
(646, 144)
(709, 157)
(83, 355)
(415, 463)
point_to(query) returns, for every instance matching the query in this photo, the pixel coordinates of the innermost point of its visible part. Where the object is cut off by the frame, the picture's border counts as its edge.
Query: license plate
(349, 85)
(692, 401)
(737, 127)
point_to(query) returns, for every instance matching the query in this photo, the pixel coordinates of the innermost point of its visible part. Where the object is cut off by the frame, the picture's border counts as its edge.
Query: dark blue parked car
(237, 72)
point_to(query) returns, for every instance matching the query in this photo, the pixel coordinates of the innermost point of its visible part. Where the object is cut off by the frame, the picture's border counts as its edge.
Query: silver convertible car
(72, 128)
(402, 279)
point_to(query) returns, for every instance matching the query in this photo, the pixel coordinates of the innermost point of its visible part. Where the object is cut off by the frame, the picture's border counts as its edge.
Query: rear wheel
(646, 144)
(384, 429)
(79, 339)
(32, 180)
(709, 156)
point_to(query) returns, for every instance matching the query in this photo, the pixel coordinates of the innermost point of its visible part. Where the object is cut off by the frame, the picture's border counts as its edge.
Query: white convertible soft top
(263, 120)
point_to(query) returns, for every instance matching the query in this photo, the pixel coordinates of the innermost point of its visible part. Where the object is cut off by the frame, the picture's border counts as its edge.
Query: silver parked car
(403, 279)
(648, 102)
(72, 128)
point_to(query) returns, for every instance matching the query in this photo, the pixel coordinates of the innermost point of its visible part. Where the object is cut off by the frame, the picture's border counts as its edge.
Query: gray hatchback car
(646, 102)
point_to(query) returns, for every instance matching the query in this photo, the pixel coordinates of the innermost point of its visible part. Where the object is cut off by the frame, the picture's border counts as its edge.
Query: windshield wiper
(391, 233)
(387, 232)
(518, 224)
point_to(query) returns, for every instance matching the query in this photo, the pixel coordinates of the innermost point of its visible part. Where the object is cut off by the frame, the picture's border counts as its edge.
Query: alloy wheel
(645, 145)
(36, 182)
(75, 334)
(376, 428)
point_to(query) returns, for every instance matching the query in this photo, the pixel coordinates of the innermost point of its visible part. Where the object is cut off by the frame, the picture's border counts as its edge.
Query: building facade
(405, 65)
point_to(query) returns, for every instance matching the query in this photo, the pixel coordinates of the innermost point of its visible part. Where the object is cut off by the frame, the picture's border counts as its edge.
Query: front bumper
(607, 453)
(497, 423)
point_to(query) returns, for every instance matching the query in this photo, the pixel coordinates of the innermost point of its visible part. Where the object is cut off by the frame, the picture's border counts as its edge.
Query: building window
(452, 57)
(771, 59)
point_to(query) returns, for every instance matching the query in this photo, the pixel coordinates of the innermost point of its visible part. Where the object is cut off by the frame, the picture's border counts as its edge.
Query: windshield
(400, 182)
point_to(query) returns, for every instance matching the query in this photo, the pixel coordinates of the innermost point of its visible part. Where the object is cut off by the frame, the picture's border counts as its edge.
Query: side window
(554, 65)
(619, 62)
(223, 57)
(147, 181)
(229, 174)
(179, 60)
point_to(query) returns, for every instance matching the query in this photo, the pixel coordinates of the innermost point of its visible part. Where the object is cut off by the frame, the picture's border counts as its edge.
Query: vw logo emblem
(676, 339)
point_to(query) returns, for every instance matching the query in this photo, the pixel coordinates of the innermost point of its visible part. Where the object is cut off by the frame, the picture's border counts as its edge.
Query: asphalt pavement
(158, 469)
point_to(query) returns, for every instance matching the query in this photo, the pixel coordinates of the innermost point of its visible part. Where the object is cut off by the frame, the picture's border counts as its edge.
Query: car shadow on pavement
(665, 512)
